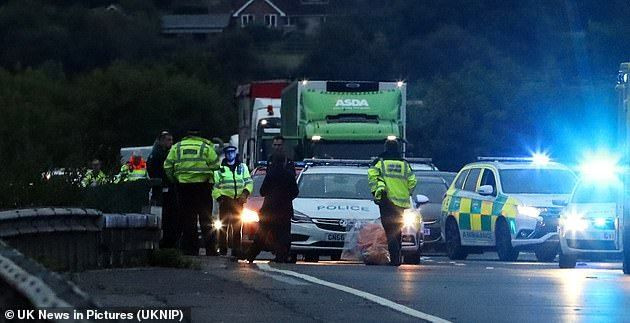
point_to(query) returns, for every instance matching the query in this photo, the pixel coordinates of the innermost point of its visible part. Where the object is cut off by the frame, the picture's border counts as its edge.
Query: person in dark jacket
(163, 194)
(279, 190)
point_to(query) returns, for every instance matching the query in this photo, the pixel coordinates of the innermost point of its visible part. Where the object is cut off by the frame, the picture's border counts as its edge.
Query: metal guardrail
(129, 239)
(28, 284)
(60, 238)
(74, 239)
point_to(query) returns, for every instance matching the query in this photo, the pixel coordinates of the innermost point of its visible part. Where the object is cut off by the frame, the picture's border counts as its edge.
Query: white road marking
(370, 297)
(489, 267)
(287, 280)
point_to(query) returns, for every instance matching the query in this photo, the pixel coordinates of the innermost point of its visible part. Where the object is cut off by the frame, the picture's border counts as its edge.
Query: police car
(506, 204)
(334, 194)
(590, 224)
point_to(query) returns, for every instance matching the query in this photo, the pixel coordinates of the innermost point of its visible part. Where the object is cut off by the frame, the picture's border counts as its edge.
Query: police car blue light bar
(536, 159)
(336, 162)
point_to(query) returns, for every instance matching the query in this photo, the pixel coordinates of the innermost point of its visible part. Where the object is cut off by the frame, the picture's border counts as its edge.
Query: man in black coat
(163, 194)
(279, 190)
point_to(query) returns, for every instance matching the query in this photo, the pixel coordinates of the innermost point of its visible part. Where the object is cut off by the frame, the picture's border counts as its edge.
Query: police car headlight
(573, 221)
(411, 218)
(249, 216)
(528, 211)
(217, 224)
(299, 217)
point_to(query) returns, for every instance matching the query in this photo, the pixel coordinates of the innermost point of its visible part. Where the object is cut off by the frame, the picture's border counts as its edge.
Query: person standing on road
(163, 194)
(190, 165)
(232, 185)
(278, 148)
(279, 189)
(392, 182)
(94, 176)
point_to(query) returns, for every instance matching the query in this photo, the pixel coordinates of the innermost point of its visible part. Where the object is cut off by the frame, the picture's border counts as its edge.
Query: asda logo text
(352, 103)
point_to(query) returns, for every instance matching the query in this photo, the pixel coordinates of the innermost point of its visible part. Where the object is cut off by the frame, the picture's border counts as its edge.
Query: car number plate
(427, 231)
(336, 237)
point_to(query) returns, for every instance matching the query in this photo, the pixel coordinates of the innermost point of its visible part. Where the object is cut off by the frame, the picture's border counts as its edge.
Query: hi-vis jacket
(395, 177)
(192, 160)
(232, 184)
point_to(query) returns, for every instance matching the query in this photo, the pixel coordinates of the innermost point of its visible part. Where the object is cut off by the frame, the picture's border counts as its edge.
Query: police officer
(190, 165)
(392, 182)
(135, 169)
(232, 185)
(94, 176)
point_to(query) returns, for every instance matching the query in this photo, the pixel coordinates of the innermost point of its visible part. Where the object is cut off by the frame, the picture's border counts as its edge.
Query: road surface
(479, 289)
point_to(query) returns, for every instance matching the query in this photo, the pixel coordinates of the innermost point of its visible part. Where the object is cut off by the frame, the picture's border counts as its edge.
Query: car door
(468, 216)
(484, 212)
(451, 202)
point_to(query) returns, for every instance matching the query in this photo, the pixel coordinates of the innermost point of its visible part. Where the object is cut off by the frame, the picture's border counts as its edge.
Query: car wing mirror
(560, 202)
(421, 199)
(485, 190)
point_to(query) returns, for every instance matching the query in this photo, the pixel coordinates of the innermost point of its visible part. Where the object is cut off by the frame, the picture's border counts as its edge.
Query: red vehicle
(249, 215)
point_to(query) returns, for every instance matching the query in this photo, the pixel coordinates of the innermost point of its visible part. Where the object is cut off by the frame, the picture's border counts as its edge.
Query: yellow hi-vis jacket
(395, 177)
(192, 160)
(232, 184)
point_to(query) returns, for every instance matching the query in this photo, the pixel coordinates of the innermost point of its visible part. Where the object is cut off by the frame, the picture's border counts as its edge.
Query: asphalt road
(479, 289)
(482, 289)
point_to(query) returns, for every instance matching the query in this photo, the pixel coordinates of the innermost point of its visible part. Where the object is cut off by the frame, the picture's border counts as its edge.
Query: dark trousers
(171, 226)
(272, 235)
(195, 204)
(230, 236)
(391, 218)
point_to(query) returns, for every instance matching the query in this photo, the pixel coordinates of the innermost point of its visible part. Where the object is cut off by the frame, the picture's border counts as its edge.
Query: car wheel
(454, 248)
(546, 252)
(412, 259)
(504, 242)
(292, 258)
(311, 257)
(566, 261)
(336, 256)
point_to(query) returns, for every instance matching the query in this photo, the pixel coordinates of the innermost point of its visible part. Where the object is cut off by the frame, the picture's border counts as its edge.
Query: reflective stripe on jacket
(93, 180)
(192, 160)
(232, 184)
(395, 177)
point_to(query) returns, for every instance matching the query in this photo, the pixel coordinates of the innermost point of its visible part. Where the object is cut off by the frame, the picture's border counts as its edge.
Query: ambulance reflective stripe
(478, 215)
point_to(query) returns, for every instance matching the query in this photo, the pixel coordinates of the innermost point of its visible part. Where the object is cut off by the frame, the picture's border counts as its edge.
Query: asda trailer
(342, 119)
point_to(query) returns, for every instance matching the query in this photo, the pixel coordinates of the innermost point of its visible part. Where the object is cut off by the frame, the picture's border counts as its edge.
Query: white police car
(332, 196)
(590, 225)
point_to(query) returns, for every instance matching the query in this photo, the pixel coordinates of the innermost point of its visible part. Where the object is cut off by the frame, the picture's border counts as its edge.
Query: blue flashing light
(540, 159)
(600, 168)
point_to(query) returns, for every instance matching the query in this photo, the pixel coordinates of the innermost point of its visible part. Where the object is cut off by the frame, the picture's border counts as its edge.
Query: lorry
(342, 119)
(623, 128)
(258, 105)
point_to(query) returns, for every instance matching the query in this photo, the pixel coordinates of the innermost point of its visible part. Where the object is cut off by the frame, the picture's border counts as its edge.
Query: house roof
(249, 2)
(194, 23)
(294, 7)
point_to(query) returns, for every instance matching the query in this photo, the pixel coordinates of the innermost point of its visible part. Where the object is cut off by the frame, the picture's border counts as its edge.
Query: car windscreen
(592, 193)
(334, 186)
(258, 180)
(537, 181)
(433, 190)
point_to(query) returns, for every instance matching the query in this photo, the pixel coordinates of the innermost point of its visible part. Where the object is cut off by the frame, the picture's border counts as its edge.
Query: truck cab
(342, 119)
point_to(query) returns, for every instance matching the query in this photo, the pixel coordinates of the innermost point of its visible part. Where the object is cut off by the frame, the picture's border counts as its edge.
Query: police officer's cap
(229, 149)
